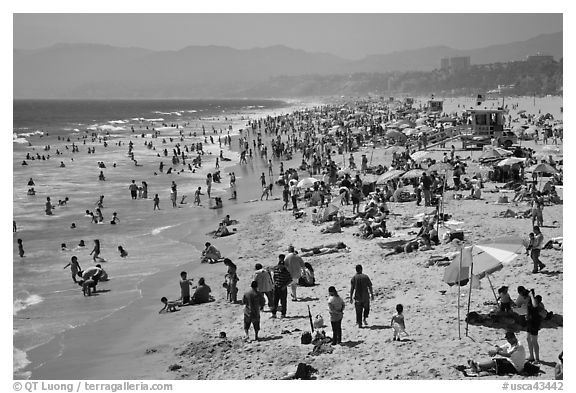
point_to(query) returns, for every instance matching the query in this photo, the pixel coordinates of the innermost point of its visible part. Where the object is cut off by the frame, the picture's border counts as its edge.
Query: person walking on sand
(361, 294)
(397, 323)
(197, 194)
(270, 168)
(295, 265)
(336, 308)
(251, 302)
(265, 285)
(133, 190)
(156, 202)
(263, 179)
(535, 249)
(74, 268)
(281, 280)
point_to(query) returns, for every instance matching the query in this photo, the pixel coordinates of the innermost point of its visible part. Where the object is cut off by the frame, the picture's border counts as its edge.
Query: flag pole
(469, 294)
(459, 270)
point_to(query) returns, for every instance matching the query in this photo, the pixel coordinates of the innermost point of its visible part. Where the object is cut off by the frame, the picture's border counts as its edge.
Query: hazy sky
(346, 35)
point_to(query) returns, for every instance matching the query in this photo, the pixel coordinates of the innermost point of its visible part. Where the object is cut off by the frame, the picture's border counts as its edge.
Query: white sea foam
(20, 361)
(168, 113)
(118, 122)
(192, 111)
(159, 119)
(29, 134)
(27, 301)
(16, 139)
(156, 231)
(105, 127)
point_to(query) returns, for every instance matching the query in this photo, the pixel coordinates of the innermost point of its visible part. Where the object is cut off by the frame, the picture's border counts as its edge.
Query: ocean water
(45, 300)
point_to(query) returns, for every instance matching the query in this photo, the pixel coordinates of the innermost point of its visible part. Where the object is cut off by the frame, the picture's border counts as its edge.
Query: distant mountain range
(102, 71)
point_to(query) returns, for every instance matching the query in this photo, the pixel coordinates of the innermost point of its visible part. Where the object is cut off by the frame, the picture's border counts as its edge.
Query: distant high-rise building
(460, 63)
(455, 63)
(539, 59)
(445, 63)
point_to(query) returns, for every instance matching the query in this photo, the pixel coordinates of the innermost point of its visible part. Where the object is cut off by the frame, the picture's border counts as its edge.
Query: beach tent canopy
(441, 167)
(413, 174)
(521, 111)
(390, 175)
(307, 182)
(542, 168)
(511, 161)
(420, 155)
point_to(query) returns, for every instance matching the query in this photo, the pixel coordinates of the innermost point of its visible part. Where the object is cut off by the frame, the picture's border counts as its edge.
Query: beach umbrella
(490, 154)
(307, 182)
(441, 167)
(531, 130)
(420, 155)
(369, 178)
(511, 161)
(420, 121)
(390, 175)
(480, 260)
(517, 129)
(395, 134)
(552, 148)
(542, 168)
(409, 131)
(403, 126)
(413, 174)
(521, 111)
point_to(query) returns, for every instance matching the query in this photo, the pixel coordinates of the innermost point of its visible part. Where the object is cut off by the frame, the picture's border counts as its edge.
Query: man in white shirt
(512, 360)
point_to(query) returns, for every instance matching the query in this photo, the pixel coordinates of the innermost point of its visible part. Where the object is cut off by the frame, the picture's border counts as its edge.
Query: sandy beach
(187, 344)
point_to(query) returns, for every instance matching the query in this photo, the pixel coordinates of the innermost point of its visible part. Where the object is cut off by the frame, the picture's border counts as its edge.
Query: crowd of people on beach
(323, 137)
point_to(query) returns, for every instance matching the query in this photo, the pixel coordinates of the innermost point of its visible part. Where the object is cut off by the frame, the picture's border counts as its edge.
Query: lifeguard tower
(435, 106)
(484, 124)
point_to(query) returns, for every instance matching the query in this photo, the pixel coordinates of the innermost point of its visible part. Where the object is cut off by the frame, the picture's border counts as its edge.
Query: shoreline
(39, 353)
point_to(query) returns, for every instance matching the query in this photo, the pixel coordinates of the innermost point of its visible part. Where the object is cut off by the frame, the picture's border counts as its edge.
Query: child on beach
(20, 248)
(504, 299)
(74, 268)
(169, 305)
(185, 285)
(115, 219)
(156, 202)
(265, 191)
(122, 251)
(397, 323)
(197, 194)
